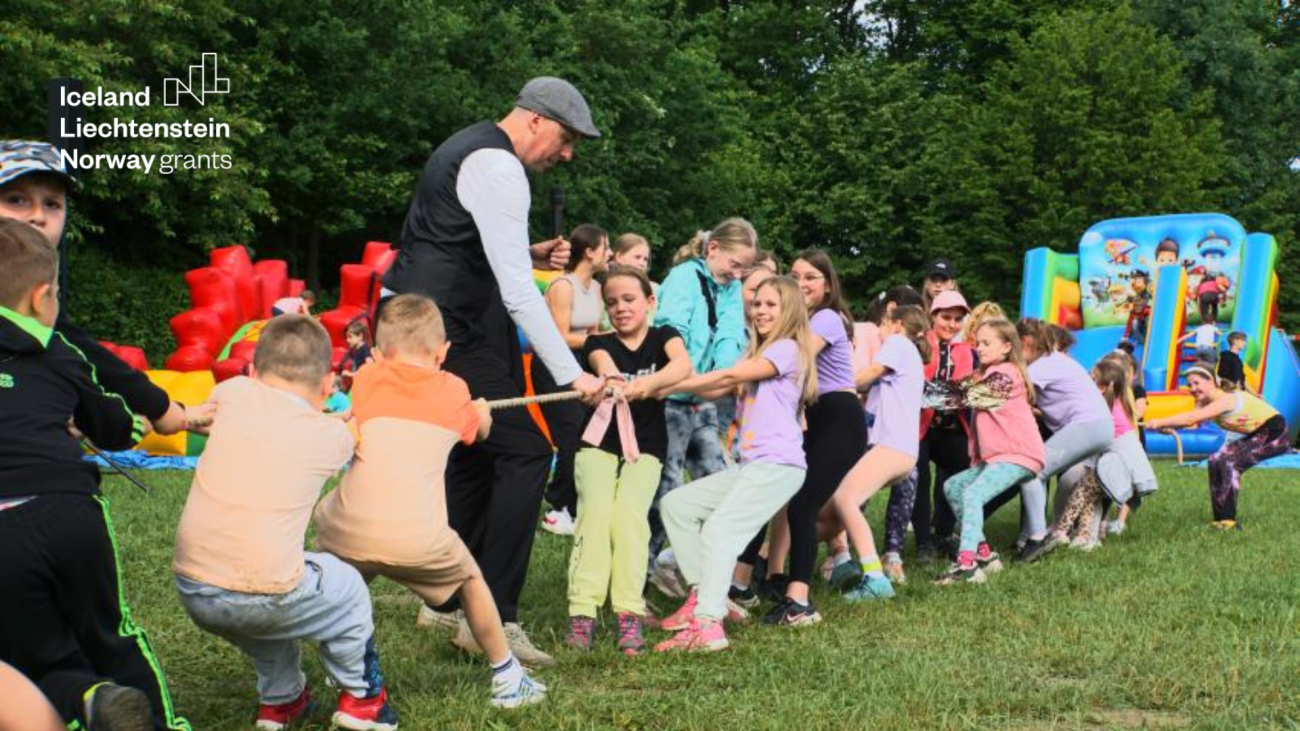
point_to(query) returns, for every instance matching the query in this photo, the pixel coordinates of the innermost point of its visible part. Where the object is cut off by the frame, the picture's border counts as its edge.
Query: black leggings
(947, 450)
(835, 441)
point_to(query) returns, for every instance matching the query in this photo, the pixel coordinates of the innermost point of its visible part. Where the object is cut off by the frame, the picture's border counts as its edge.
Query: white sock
(507, 674)
(842, 557)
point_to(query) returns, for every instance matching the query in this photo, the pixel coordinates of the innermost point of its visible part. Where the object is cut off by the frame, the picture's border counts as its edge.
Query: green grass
(1168, 626)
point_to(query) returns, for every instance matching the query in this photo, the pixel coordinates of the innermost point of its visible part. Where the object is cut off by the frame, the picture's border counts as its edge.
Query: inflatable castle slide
(1163, 260)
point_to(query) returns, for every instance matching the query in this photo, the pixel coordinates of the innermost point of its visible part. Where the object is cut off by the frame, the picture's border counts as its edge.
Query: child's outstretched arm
(719, 383)
(664, 381)
(1207, 412)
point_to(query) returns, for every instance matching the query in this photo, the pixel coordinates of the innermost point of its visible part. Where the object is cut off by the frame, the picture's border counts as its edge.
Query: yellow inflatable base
(193, 387)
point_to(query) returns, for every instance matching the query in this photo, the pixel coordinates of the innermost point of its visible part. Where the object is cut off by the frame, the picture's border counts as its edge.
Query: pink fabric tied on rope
(614, 407)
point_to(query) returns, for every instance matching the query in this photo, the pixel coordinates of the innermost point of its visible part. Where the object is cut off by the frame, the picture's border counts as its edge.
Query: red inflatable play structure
(233, 296)
(359, 286)
(225, 296)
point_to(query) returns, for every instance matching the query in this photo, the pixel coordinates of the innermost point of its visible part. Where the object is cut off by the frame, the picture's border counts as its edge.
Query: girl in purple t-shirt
(898, 375)
(836, 436)
(1073, 410)
(710, 520)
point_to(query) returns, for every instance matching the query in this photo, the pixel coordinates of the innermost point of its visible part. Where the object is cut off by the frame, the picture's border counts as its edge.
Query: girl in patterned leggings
(1235, 411)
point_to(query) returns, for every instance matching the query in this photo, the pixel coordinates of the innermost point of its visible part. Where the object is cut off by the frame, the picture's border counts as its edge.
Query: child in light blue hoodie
(701, 300)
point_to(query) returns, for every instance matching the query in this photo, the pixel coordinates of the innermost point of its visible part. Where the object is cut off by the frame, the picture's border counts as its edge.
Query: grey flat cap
(557, 99)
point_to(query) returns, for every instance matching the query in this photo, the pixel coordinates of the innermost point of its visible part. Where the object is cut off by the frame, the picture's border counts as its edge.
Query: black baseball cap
(941, 268)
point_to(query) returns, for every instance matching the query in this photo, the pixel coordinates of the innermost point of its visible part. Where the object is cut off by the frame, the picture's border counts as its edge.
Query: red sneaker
(682, 618)
(276, 717)
(365, 714)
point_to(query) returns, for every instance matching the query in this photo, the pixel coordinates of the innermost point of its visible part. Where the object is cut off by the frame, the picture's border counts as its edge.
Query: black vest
(441, 254)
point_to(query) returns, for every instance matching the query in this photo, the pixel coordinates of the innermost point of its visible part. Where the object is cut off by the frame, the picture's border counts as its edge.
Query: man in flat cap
(466, 245)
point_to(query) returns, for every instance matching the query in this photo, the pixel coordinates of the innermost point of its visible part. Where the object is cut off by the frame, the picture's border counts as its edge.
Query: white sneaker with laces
(665, 578)
(527, 653)
(558, 522)
(430, 619)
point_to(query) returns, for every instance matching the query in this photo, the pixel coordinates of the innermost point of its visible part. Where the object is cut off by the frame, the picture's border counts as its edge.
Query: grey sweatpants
(330, 606)
(1071, 444)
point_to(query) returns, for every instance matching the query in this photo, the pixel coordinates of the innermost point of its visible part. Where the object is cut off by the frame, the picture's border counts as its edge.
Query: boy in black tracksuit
(63, 622)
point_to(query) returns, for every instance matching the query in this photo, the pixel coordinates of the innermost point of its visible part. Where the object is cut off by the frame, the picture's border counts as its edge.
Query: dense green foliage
(888, 131)
(1168, 626)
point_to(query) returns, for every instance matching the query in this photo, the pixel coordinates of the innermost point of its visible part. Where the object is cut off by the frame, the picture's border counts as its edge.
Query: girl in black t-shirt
(617, 480)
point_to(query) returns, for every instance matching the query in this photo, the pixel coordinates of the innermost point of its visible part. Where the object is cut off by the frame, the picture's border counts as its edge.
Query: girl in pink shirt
(1005, 447)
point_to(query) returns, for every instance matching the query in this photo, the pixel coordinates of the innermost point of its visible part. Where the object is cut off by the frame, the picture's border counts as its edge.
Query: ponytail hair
(584, 238)
(1112, 375)
(1037, 332)
(731, 234)
(916, 326)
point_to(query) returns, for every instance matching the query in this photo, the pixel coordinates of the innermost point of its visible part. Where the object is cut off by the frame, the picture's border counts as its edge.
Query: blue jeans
(694, 446)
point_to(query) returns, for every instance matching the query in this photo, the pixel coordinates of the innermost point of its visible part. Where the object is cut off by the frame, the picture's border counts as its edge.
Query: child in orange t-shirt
(389, 515)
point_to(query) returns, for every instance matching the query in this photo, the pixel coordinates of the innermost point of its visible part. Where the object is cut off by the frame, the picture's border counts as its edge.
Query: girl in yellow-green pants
(617, 471)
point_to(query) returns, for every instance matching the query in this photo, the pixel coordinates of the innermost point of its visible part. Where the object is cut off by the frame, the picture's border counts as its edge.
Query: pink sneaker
(736, 613)
(682, 618)
(697, 637)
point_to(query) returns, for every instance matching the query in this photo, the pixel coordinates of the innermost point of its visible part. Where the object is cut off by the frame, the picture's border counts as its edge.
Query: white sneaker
(430, 619)
(1114, 527)
(525, 651)
(1085, 544)
(665, 579)
(558, 522)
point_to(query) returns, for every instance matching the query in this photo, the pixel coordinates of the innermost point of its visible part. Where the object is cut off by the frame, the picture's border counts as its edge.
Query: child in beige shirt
(240, 566)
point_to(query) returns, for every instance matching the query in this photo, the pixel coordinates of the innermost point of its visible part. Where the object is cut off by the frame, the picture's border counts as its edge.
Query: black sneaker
(926, 553)
(1036, 549)
(990, 564)
(772, 589)
(747, 597)
(957, 574)
(790, 613)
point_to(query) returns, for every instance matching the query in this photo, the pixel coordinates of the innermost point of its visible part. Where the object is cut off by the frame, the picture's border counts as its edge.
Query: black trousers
(836, 439)
(64, 622)
(494, 488)
(565, 419)
(946, 449)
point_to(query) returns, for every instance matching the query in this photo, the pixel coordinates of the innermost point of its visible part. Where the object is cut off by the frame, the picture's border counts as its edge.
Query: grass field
(1169, 626)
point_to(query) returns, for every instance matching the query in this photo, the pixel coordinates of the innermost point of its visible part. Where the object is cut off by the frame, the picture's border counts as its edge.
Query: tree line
(887, 132)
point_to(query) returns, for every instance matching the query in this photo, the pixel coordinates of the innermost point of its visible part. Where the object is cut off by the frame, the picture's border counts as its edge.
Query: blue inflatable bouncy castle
(1147, 280)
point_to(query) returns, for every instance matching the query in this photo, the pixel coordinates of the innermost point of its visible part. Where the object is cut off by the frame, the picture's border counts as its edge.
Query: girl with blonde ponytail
(711, 519)
(700, 299)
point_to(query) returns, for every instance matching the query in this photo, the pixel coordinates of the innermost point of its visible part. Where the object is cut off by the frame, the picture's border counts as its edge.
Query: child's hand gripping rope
(1178, 440)
(967, 393)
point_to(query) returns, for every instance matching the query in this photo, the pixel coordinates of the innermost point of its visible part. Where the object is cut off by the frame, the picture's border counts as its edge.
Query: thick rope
(510, 403)
(1178, 441)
